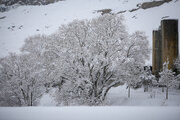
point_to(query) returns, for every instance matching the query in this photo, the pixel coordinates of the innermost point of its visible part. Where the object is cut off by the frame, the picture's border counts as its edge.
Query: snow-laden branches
(85, 58)
(21, 77)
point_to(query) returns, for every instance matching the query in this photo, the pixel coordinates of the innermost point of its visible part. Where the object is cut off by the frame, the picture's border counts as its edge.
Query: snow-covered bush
(148, 79)
(167, 78)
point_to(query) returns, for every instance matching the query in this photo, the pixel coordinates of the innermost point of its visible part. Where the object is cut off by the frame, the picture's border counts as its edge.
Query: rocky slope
(8, 4)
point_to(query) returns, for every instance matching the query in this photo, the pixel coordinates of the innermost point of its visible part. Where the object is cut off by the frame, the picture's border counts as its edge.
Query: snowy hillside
(18, 24)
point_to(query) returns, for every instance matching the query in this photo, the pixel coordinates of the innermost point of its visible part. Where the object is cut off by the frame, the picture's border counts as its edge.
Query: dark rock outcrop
(147, 5)
(27, 2)
(152, 4)
(8, 4)
(104, 11)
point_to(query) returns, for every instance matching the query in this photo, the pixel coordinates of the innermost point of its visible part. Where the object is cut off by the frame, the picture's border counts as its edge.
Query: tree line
(83, 60)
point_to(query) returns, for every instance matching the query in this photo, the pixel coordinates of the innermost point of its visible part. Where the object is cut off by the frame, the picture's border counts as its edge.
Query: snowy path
(90, 113)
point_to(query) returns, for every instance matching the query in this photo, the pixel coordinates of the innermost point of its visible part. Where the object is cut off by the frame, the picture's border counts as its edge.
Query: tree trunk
(128, 91)
(31, 99)
(162, 89)
(145, 88)
(166, 92)
(106, 90)
(105, 93)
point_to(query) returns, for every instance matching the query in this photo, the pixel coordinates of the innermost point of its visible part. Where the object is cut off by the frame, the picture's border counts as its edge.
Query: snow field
(155, 97)
(118, 96)
(90, 113)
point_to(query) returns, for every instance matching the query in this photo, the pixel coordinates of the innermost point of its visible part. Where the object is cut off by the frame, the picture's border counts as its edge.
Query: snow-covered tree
(177, 64)
(167, 78)
(177, 67)
(136, 52)
(21, 78)
(98, 49)
(83, 59)
(91, 50)
(147, 78)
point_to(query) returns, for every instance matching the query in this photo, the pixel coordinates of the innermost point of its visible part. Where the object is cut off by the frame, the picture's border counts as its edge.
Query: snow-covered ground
(118, 96)
(139, 107)
(90, 113)
(154, 97)
(26, 21)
